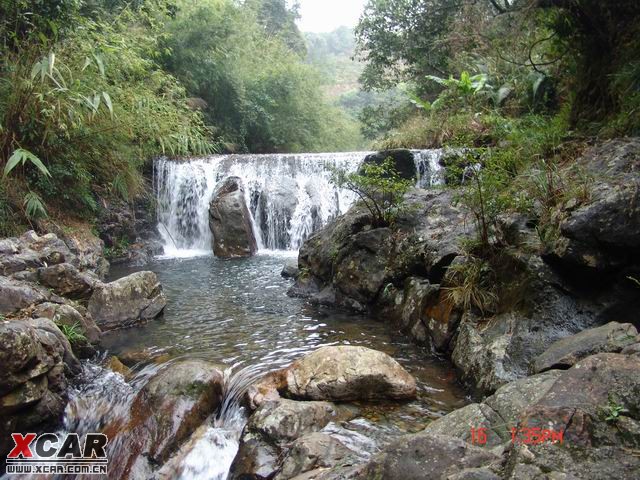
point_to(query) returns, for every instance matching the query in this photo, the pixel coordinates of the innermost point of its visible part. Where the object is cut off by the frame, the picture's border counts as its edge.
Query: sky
(327, 15)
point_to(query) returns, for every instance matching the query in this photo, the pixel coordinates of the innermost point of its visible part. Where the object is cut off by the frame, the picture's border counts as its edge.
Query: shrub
(379, 187)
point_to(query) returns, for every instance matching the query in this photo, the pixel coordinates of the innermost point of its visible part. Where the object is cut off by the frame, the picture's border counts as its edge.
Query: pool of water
(236, 312)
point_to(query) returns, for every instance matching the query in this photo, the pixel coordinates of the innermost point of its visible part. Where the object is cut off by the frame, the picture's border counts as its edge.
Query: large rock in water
(230, 221)
(131, 300)
(402, 161)
(348, 373)
(168, 409)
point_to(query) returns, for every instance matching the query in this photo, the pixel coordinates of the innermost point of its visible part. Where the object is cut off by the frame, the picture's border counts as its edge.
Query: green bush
(380, 189)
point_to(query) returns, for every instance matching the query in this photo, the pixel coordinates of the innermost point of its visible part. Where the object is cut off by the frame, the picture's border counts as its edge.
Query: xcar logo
(52, 454)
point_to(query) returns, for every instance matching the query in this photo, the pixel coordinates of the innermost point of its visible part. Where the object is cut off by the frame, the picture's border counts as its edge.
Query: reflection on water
(237, 312)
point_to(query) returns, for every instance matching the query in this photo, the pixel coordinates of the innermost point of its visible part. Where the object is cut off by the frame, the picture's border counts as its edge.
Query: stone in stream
(349, 373)
(128, 301)
(230, 221)
(290, 269)
(168, 409)
(272, 427)
(16, 295)
(564, 353)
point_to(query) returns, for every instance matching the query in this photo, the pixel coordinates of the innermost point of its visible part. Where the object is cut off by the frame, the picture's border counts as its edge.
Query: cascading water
(289, 196)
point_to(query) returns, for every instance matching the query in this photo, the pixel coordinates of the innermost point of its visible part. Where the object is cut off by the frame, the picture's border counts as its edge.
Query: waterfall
(289, 196)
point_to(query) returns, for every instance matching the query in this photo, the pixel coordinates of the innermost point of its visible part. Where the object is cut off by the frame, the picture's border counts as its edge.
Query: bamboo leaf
(100, 63)
(51, 62)
(107, 101)
(13, 161)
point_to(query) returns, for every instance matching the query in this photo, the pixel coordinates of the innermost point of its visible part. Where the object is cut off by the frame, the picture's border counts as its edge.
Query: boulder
(230, 221)
(168, 409)
(129, 301)
(272, 426)
(290, 270)
(348, 373)
(425, 455)
(595, 406)
(603, 232)
(491, 352)
(16, 295)
(403, 161)
(34, 358)
(65, 279)
(67, 315)
(564, 353)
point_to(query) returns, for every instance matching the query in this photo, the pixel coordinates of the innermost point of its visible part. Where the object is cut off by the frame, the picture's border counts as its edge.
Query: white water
(289, 196)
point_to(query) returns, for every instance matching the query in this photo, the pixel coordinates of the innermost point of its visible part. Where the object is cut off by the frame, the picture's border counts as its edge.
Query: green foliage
(34, 206)
(379, 187)
(20, 157)
(471, 284)
(244, 61)
(83, 105)
(612, 411)
(72, 332)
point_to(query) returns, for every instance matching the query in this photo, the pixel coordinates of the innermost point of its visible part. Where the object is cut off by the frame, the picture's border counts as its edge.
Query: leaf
(87, 62)
(51, 62)
(13, 161)
(441, 81)
(100, 63)
(107, 101)
(21, 155)
(34, 206)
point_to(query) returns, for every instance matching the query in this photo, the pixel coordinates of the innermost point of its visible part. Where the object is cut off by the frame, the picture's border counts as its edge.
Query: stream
(236, 312)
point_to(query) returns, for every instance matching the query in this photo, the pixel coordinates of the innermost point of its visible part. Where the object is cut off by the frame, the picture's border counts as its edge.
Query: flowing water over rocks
(289, 196)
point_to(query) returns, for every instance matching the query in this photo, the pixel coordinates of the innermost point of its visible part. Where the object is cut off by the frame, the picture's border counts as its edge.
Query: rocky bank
(54, 306)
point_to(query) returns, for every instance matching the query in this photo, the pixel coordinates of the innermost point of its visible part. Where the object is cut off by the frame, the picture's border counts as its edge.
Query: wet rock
(425, 455)
(274, 425)
(230, 221)
(403, 161)
(131, 300)
(65, 279)
(290, 270)
(114, 364)
(361, 264)
(313, 451)
(564, 353)
(266, 389)
(16, 295)
(347, 373)
(496, 350)
(168, 409)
